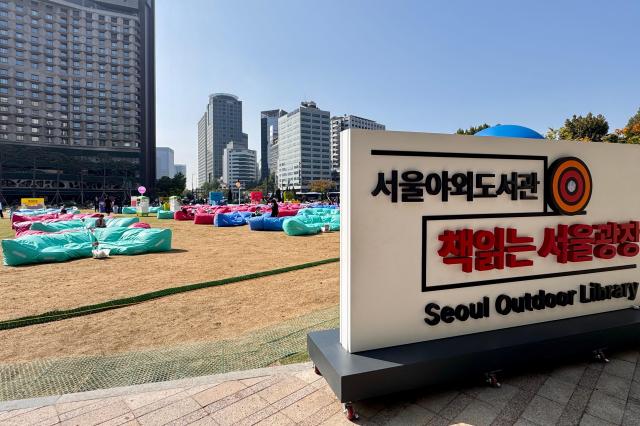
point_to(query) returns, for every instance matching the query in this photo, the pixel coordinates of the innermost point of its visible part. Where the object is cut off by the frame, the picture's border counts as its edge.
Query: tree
(321, 185)
(472, 130)
(164, 186)
(578, 128)
(178, 184)
(207, 187)
(631, 132)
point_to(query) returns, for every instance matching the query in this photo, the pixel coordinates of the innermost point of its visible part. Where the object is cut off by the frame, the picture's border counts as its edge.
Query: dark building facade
(77, 104)
(268, 133)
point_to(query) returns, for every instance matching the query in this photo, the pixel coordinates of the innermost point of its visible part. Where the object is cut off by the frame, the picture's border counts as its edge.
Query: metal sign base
(367, 374)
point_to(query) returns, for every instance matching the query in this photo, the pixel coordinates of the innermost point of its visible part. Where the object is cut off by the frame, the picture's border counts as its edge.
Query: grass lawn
(201, 253)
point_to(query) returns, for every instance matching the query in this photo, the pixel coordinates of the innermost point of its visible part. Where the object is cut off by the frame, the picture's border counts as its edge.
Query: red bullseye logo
(569, 185)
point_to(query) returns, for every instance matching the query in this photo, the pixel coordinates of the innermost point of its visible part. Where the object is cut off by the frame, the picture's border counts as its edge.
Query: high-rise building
(239, 164)
(181, 168)
(77, 106)
(272, 157)
(304, 148)
(205, 173)
(268, 133)
(339, 124)
(221, 124)
(164, 162)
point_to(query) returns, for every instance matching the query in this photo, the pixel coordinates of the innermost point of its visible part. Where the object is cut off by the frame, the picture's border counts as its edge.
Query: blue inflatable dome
(510, 131)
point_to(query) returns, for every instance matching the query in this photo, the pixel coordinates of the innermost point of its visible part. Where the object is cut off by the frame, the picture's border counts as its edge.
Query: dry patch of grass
(201, 253)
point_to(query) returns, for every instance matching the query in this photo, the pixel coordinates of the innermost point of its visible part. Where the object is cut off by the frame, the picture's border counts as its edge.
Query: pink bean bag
(287, 212)
(17, 217)
(140, 225)
(183, 215)
(203, 219)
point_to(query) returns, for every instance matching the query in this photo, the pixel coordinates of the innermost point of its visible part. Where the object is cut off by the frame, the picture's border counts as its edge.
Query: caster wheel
(599, 356)
(350, 412)
(315, 370)
(492, 380)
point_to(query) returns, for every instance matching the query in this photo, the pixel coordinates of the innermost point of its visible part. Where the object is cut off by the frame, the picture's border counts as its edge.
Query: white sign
(445, 235)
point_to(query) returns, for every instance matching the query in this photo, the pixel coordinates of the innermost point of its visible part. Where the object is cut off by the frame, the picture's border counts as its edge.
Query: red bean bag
(183, 215)
(287, 212)
(140, 225)
(203, 219)
(17, 217)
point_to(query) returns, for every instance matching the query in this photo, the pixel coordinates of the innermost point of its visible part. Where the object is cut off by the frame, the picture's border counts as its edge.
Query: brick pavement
(575, 394)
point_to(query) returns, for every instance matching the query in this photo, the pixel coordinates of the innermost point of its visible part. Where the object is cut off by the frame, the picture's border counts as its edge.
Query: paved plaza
(583, 393)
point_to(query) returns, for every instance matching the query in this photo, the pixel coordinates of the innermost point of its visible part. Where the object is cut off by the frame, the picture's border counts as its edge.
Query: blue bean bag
(266, 223)
(223, 220)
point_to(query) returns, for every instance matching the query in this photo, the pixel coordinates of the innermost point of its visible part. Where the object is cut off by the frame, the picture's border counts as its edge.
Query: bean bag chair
(223, 220)
(287, 212)
(140, 225)
(164, 214)
(266, 223)
(32, 232)
(310, 221)
(155, 209)
(63, 246)
(183, 215)
(47, 248)
(128, 210)
(112, 222)
(297, 227)
(16, 218)
(203, 219)
(131, 241)
(57, 226)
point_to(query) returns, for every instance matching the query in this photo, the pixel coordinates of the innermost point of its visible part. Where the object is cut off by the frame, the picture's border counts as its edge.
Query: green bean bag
(128, 210)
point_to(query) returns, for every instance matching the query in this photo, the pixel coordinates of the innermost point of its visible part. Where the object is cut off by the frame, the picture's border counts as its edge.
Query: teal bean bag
(311, 221)
(112, 222)
(57, 226)
(128, 210)
(73, 245)
(163, 214)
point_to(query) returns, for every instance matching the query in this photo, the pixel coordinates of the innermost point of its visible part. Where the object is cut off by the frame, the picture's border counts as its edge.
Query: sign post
(463, 256)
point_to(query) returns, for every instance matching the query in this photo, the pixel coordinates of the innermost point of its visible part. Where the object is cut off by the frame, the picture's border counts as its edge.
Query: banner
(32, 203)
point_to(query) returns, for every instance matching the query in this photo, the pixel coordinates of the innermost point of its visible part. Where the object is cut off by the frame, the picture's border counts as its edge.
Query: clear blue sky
(412, 65)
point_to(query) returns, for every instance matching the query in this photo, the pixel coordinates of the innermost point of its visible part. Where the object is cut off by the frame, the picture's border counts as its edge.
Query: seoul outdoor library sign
(477, 245)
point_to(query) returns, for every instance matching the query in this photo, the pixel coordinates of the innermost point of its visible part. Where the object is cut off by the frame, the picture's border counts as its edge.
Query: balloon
(142, 189)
